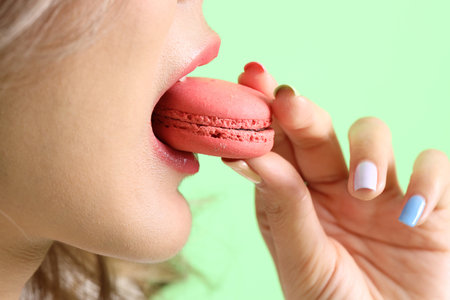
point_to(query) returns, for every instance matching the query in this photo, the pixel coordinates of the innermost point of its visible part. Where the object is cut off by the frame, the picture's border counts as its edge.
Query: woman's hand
(329, 241)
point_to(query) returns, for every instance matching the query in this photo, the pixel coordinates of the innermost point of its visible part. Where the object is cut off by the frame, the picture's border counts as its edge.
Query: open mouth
(182, 161)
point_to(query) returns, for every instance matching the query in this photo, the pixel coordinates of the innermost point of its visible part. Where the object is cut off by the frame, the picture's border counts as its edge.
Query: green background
(388, 58)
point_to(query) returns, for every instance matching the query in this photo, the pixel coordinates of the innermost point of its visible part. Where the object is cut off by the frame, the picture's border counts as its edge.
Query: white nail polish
(366, 176)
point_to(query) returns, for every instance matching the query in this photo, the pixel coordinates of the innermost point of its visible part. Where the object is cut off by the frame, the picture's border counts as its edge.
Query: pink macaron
(214, 117)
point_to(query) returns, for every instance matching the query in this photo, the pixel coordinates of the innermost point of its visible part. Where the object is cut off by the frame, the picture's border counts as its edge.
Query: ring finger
(372, 163)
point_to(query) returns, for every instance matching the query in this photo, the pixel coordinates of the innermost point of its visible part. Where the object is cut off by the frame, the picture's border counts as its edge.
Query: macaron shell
(223, 99)
(214, 117)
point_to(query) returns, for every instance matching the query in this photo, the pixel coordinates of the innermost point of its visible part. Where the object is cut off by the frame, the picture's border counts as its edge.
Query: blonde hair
(34, 34)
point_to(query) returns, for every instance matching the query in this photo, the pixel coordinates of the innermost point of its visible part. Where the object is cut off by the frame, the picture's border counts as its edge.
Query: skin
(330, 242)
(76, 157)
(77, 166)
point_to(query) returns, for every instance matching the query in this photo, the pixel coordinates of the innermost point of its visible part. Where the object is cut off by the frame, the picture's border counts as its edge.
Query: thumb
(304, 254)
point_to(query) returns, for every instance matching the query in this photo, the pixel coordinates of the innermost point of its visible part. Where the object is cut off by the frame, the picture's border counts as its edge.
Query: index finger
(256, 76)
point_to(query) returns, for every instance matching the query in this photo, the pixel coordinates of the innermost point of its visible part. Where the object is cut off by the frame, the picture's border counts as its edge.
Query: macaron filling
(215, 127)
(246, 124)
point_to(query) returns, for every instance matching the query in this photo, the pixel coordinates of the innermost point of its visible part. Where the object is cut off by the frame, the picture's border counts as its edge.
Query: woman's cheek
(89, 174)
(115, 213)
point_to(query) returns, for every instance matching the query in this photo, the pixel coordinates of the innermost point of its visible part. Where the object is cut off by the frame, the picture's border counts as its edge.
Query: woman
(80, 164)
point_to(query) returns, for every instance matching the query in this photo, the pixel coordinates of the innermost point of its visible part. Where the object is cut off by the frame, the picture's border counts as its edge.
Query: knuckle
(280, 206)
(370, 123)
(273, 208)
(276, 213)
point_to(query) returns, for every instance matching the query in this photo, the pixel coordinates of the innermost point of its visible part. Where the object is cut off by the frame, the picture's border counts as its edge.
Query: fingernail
(255, 67)
(242, 168)
(366, 176)
(285, 88)
(412, 211)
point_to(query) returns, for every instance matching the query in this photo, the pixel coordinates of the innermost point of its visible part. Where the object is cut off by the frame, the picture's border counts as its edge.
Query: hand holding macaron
(346, 233)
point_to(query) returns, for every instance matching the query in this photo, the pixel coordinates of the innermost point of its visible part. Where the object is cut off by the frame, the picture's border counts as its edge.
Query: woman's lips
(205, 56)
(185, 162)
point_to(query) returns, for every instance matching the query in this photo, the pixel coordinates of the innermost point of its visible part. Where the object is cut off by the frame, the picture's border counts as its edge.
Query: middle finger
(310, 129)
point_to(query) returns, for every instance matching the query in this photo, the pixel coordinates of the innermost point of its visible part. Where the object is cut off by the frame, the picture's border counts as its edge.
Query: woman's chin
(156, 235)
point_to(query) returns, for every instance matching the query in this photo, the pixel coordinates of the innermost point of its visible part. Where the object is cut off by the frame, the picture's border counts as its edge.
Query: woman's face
(79, 162)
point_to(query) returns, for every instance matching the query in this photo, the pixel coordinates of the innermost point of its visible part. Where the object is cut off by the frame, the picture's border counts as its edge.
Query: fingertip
(363, 184)
(256, 76)
(412, 212)
(284, 89)
(428, 188)
(254, 66)
(294, 111)
(242, 168)
(241, 78)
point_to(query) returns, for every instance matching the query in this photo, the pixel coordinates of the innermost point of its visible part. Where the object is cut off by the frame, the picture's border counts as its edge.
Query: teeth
(182, 78)
(196, 155)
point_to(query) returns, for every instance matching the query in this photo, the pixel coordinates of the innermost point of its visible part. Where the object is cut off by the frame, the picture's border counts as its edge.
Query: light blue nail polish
(412, 210)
